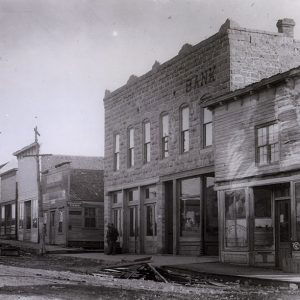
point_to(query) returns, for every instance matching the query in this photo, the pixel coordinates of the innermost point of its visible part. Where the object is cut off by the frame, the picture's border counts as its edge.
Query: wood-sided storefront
(260, 223)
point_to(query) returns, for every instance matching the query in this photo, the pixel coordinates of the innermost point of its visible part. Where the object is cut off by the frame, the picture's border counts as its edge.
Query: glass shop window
(297, 196)
(235, 219)
(190, 207)
(263, 231)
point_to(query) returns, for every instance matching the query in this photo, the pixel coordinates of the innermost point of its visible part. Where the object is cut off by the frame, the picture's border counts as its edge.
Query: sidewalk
(207, 266)
(50, 249)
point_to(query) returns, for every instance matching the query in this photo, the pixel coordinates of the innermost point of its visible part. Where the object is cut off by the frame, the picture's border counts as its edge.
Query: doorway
(282, 231)
(169, 217)
(52, 228)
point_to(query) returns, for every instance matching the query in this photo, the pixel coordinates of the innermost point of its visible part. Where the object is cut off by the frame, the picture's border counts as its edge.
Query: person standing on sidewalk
(111, 238)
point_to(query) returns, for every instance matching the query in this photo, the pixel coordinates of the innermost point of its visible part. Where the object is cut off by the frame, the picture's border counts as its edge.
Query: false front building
(257, 163)
(159, 158)
(8, 200)
(72, 188)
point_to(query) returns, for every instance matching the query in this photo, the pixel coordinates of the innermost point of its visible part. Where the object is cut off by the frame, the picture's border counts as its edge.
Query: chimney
(286, 26)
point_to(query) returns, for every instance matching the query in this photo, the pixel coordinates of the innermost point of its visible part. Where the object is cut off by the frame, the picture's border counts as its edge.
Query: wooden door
(52, 228)
(282, 231)
(133, 229)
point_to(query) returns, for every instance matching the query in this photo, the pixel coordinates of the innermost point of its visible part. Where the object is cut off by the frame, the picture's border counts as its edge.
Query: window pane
(132, 227)
(147, 132)
(190, 207)
(185, 141)
(235, 219)
(117, 161)
(165, 146)
(263, 155)
(185, 118)
(263, 232)
(274, 153)
(131, 157)
(207, 116)
(273, 133)
(297, 196)
(147, 152)
(131, 138)
(262, 136)
(165, 125)
(117, 143)
(208, 134)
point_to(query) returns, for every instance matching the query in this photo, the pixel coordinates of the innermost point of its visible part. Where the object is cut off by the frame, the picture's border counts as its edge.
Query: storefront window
(235, 219)
(263, 231)
(190, 207)
(297, 196)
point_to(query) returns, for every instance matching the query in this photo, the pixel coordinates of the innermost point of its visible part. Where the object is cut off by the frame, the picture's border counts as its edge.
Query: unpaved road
(47, 280)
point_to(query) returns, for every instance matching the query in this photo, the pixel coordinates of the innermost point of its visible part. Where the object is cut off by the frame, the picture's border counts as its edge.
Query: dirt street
(56, 277)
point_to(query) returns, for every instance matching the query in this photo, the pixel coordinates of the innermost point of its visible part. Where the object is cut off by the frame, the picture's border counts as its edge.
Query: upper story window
(117, 152)
(147, 143)
(207, 127)
(267, 144)
(130, 147)
(165, 135)
(185, 129)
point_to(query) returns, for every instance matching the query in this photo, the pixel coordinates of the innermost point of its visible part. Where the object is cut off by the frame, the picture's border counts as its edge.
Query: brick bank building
(161, 158)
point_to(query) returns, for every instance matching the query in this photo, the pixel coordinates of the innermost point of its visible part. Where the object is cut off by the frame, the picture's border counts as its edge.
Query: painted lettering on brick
(201, 79)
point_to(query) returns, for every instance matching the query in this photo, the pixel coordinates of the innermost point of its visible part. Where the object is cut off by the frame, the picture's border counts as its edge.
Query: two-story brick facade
(159, 158)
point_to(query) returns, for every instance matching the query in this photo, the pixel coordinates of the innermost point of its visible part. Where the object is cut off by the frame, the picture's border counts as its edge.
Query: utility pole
(41, 231)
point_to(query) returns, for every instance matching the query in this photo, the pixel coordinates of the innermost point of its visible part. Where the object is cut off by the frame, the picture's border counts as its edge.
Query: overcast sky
(57, 57)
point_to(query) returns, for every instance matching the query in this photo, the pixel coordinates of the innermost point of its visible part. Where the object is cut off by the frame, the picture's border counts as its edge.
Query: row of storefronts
(71, 201)
(211, 173)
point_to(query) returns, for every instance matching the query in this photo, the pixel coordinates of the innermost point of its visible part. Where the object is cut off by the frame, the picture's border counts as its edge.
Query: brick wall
(176, 82)
(258, 54)
(239, 56)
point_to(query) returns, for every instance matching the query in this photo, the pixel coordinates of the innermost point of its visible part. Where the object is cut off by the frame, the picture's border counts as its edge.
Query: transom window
(130, 147)
(267, 144)
(207, 127)
(165, 135)
(185, 132)
(117, 153)
(146, 141)
(117, 197)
